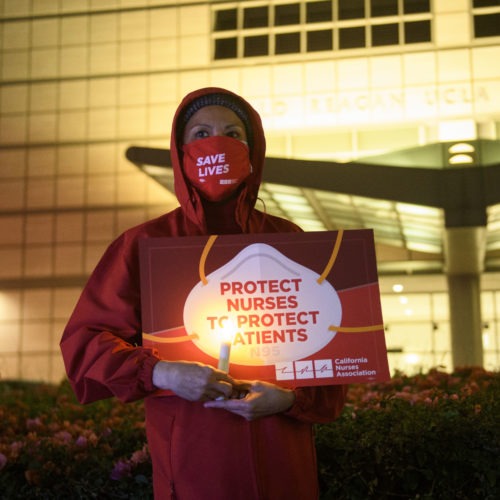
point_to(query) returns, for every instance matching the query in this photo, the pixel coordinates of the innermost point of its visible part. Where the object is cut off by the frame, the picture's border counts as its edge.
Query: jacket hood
(188, 198)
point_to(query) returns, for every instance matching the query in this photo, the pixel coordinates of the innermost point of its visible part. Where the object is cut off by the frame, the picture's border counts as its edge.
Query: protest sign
(294, 309)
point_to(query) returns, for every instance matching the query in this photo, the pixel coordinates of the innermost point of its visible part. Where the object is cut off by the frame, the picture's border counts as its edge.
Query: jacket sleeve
(318, 405)
(99, 343)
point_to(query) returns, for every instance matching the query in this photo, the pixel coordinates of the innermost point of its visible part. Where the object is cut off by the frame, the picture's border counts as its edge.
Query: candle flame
(227, 331)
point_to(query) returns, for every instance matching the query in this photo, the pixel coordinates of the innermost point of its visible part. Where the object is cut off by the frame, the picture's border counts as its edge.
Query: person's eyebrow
(232, 125)
(200, 125)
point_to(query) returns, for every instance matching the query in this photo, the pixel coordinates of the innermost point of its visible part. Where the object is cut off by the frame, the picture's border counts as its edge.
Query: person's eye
(235, 134)
(201, 134)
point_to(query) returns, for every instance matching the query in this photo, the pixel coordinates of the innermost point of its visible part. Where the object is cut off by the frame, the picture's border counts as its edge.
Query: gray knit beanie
(216, 99)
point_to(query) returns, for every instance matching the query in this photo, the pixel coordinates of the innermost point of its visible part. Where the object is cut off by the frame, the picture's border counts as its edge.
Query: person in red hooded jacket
(209, 437)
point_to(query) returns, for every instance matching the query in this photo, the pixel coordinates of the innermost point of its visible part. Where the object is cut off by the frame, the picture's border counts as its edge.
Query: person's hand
(255, 399)
(192, 381)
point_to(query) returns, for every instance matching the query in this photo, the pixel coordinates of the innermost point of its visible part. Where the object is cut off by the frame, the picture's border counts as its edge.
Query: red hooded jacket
(198, 453)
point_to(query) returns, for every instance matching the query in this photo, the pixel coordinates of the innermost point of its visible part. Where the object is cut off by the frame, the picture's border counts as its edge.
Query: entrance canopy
(410, 198)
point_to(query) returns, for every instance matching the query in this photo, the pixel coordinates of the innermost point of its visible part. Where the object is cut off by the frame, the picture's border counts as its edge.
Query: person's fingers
(223, 376)
(242, 385)
(223, 388)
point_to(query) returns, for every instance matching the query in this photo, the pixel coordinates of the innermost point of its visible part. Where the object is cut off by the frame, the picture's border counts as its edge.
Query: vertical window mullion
(401, 21)
(271, 30)
(368, 24)
(302, 28)
(239, 32)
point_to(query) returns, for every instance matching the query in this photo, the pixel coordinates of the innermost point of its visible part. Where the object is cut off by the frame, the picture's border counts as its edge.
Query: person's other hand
(256, 399)
(192, 381)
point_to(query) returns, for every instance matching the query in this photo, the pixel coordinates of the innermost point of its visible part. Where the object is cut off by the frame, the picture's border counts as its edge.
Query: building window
(385, 34)
(351, 9)
(416, 6)
(319, 40)
(255, 17)
(287, 14)
(384, 8)
(287, 43)
(251, 29)
(417, 32)
(226, 20)
(319, 12)
(256, 46)
(484, 3)
(486, 18)
(352, 38)
(226, 48)
(487, 25)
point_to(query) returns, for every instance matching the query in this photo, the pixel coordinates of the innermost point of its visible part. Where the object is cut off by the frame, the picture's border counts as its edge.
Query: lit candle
(226, 335)
(225, 351)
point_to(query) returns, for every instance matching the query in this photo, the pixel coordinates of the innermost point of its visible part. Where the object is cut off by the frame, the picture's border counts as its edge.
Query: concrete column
(465, 320)
(464, 254)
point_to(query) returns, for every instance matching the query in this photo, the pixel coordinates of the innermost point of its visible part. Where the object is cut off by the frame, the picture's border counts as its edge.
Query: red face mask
(216, 166)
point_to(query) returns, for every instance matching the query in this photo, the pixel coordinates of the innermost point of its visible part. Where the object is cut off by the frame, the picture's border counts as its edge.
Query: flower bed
(53, 447)
(434, 435)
